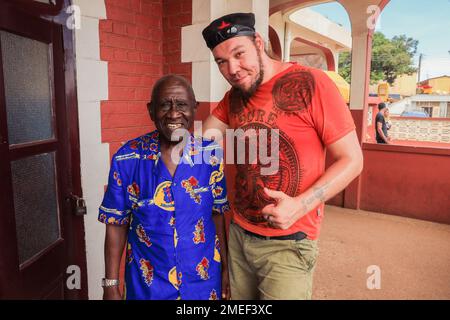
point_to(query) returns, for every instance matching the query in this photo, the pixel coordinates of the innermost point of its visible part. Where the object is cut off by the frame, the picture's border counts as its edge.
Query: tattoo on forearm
(319, 192)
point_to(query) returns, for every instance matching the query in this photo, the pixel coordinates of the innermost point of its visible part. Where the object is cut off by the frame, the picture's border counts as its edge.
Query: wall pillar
(359, 87)
(92, 87)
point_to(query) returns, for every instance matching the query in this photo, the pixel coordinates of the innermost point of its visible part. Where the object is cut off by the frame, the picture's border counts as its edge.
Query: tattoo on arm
(319, 192)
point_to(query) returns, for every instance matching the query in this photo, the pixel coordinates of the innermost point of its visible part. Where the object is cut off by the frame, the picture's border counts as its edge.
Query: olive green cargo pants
(270, 269)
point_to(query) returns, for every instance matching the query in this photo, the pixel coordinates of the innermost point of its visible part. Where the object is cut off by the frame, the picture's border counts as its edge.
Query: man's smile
(174, 125)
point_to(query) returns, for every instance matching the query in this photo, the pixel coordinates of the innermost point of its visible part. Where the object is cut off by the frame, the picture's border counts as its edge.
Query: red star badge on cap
(224, 25)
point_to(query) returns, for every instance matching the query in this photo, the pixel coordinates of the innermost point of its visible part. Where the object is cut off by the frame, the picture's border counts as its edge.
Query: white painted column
(359, 87)
(287, 43)
(92, 87)
(209, 85)
(336, 60)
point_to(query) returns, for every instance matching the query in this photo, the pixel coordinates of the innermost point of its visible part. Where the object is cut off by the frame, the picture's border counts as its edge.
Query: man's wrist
(308, 200)
(110, 283)
(303, 202)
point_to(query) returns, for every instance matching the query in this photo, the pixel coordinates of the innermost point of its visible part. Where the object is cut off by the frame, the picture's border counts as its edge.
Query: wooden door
(39, 233)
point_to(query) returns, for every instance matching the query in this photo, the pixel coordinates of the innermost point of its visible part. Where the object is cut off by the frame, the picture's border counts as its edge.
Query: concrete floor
(413, 257)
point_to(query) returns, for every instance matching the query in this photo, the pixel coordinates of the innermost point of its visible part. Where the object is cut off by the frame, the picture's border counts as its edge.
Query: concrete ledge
(87, 39)
(92, 80)
(406, 149)
(92, 8)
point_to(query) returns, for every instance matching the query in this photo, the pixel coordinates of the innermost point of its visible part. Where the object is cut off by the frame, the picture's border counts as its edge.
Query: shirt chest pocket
(156, 212)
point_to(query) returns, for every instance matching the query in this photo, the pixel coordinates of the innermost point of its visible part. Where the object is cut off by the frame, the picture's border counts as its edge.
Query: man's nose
(173, 111)
(233, 67)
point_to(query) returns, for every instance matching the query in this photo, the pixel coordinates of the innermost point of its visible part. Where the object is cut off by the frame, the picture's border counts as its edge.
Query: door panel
(28, 84)
(35, 204)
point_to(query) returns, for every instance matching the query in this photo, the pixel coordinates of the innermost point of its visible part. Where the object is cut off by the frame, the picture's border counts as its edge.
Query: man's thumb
(274, 193)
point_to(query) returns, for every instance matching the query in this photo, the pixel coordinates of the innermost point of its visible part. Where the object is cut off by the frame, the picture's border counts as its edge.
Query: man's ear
(259, 41)
(150, 111)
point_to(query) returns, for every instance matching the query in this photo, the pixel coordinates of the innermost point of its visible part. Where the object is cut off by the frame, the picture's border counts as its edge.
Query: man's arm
(381, 133)
(347, 166)
(115, 239)
(219, 221)
(214, 128)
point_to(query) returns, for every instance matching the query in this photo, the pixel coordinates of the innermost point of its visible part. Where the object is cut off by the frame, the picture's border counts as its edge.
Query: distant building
(436, 106)
(404, 86)
(438, 85)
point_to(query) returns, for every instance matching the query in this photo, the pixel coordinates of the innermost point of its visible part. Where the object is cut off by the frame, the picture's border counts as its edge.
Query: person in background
(387, 118)
(381, 130)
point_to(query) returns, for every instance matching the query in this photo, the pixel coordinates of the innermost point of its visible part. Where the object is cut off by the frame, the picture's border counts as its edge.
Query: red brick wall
(141, 41)
(176, 14)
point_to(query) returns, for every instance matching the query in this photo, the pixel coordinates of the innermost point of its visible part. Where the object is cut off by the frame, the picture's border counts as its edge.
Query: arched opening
(274, 44)
(316, 34)
(410, 73)
(313, 54)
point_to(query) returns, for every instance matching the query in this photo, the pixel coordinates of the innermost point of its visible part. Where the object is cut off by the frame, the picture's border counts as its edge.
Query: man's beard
(247, 94)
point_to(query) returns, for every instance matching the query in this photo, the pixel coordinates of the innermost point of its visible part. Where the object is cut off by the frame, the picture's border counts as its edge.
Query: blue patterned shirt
(172, 250)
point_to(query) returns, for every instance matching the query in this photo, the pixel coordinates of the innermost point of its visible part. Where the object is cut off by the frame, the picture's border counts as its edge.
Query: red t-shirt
(307, 109)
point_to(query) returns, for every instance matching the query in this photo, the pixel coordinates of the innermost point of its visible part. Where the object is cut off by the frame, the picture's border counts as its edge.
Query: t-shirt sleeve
(330, 113)
(379, 118)
(221, 111)
(113, 209)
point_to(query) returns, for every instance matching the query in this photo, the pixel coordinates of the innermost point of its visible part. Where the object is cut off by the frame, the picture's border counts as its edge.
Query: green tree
(345, 65)
(390, 58)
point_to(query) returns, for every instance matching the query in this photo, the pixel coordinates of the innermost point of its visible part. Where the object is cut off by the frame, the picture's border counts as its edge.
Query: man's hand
(112, 293)
(226, 293)
(285, 212)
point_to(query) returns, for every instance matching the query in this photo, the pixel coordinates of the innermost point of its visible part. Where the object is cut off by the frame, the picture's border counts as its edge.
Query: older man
(277, 216)
(167, 207)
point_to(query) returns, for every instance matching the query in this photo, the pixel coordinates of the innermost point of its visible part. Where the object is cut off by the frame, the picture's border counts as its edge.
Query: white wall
(92, 86)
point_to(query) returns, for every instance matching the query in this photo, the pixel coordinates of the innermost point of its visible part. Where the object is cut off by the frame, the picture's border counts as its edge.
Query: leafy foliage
(390, 58)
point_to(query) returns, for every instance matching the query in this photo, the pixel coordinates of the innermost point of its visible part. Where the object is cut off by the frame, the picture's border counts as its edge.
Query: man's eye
(239, 54)
(182, 106)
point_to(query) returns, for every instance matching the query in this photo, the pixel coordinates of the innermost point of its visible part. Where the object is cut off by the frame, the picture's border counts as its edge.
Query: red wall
(407, 181)
(177, 13)
(410, 181)
(141, 41)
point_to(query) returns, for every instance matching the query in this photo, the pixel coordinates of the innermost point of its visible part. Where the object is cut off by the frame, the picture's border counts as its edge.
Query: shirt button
(174, 184)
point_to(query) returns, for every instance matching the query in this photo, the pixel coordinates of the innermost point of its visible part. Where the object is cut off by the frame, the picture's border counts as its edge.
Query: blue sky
(430, 24)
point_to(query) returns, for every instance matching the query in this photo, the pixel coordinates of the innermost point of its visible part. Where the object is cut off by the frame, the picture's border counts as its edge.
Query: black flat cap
(229, 26)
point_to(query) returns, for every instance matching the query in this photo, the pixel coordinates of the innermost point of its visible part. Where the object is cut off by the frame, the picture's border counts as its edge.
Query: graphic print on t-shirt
(250, 183)
(293, 91)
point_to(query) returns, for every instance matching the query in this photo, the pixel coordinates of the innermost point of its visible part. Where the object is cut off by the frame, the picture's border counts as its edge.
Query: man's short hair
(227, 27)
(381, 106)
(159, 83)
